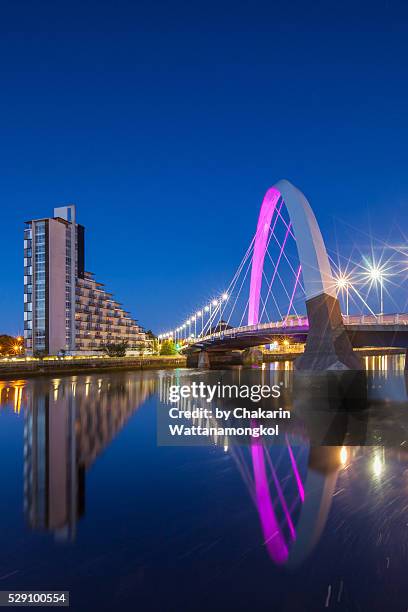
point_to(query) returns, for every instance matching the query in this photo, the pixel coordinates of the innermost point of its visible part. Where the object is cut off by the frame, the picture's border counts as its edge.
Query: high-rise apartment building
(65, 308)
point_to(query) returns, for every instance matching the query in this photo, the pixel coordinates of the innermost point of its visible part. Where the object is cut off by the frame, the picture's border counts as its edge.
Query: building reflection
(67, 424)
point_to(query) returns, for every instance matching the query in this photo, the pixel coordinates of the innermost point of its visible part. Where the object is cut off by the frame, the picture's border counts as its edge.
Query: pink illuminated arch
(317, 279)
(314, 262)
(315, 495)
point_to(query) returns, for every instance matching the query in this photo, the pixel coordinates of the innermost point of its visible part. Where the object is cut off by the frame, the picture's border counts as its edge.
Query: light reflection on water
(88, 458)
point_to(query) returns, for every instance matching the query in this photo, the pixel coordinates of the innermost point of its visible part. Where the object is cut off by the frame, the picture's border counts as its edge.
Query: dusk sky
(165, 123)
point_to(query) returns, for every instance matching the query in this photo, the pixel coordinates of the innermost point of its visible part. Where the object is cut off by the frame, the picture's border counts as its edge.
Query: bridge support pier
(252, 356)
(219, 359)
(328, 346)
(198, 359)
(203, 360)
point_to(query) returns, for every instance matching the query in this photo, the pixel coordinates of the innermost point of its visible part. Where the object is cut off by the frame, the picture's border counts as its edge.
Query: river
(92, 504)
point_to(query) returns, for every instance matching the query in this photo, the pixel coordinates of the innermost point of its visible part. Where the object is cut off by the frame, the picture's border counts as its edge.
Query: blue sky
(166, 122)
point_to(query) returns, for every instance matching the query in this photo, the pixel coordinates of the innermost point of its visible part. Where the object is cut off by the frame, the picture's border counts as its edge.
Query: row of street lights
(185, 330)
(374, 274)
(344, 282)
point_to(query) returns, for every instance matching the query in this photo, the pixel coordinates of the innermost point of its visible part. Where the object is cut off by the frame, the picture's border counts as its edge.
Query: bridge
(301, 277)
(364, 330)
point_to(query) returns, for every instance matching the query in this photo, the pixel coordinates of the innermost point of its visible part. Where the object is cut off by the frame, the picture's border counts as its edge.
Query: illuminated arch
(317, 276)
(316, 495)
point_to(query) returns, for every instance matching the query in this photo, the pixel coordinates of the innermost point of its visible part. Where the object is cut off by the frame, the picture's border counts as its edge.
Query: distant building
(65, 308)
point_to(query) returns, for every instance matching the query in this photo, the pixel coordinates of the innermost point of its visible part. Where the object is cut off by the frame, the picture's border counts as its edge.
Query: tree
(115, 349)
(168, 348)
(155, 346)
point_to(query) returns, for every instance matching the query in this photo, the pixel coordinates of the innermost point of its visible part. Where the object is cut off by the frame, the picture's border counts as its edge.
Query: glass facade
(28, 287)
(69, 278)
(40, 331)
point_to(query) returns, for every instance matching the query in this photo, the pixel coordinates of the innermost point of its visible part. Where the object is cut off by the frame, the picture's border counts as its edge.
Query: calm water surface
(90, 504)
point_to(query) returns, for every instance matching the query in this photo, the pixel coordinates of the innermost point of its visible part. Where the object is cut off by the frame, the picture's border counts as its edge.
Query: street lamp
(343, 284)
(376, 276)
(207, 309)
(224, 298)
(213, 303)
(200, 313)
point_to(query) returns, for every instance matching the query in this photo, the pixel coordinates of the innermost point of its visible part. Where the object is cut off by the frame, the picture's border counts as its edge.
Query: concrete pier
(328, 346)
(203, 359)
(252, 356)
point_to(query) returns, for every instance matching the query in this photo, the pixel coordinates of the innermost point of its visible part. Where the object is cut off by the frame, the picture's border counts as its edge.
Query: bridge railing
(301, 323)
(298, 322)
(382, 319)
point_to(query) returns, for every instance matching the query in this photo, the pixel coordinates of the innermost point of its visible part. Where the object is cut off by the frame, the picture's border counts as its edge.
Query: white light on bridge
(377, 274)
(343, 283)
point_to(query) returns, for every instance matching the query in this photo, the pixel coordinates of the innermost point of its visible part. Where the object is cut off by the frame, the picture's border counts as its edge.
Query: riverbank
(55, 366)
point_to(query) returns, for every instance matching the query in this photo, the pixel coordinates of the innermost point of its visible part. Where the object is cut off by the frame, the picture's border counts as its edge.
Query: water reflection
(12, 393)
(67, 424)
(335, 417)
(69, 421)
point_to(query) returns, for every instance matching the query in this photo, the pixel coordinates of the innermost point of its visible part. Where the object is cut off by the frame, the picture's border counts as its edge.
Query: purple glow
(282, 249)
(261, 238)
(274, 539)
(282, 500)
(296, 472)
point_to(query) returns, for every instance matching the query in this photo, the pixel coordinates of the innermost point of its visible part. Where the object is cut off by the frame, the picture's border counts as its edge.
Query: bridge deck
(381, 330)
